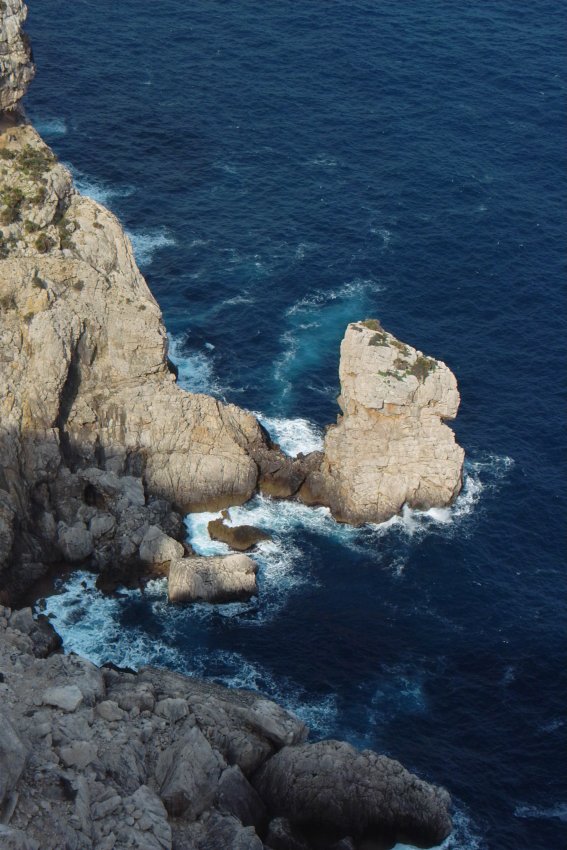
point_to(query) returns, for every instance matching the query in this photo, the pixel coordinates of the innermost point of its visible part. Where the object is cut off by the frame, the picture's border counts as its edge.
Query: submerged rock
(391, 446)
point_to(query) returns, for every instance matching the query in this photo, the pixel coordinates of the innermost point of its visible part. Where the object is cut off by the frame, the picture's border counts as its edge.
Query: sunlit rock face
(16, 63)
(391, 447)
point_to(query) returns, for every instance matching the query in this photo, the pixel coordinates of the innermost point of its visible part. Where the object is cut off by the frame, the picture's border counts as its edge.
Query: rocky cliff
(16, 65)
(391, 446)
(100, 453)
(85, 384)
(97, 758)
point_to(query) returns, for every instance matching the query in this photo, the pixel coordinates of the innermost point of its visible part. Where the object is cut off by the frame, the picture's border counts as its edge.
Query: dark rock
(239, 537)
(237, 797)
(44, 637)
(332, 785)
(188, 773)
(282, 836)
(224, 833)
(281, 476)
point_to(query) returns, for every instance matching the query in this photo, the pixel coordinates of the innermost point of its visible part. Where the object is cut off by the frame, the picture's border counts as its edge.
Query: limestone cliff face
(16, 65)
(390, 447)
(84, 380)
(100, 447)
(85, 386)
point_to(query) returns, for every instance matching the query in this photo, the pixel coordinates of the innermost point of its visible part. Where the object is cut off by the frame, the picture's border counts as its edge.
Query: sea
(283, 169)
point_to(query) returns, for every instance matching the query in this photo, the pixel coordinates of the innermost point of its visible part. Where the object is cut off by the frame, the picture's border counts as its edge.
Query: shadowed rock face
(391, 446)
(163, 762)
(15, 54)
(331, 785)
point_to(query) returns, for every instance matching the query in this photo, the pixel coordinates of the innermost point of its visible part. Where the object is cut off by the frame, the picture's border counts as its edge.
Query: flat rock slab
(67, 697)
(220, 579)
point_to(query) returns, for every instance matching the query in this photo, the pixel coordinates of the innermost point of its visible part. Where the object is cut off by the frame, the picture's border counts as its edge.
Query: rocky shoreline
(102, 454)
(103, 758)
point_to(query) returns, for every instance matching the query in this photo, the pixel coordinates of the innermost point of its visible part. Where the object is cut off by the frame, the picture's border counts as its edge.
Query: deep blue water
(284, 169)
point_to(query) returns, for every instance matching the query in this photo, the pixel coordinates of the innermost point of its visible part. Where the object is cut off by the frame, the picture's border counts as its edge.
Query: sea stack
(391, 446)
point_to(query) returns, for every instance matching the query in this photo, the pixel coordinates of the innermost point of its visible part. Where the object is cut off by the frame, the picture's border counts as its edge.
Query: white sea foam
(50, 128)
(281, 568)
(99, 191)
(196, 368)
(235, 671)
(147, 242)
(323, 161)
(293, 435)
(384, 234)
(320, 297)
(558, 811)
(400, 691)
(89, 624)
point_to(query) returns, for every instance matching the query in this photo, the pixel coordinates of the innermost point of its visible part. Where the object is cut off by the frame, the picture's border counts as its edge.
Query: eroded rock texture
(101, 759)
(16, 64)
(84, 384)
(391, 446)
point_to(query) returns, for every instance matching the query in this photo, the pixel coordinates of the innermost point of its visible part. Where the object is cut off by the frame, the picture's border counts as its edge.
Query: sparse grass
(400, 364)
(37, 282)
(400, 346)
(39, 196)
(43, 243)
(65, 229)
(372, 325)
(8, 302)
(378, 339)
(6, 154)
(31, 226)
(34, 162)
(12, 199)
(389, 374)
(422, 367)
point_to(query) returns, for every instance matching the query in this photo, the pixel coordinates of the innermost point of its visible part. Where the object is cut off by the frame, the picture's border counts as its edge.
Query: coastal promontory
(102, 453)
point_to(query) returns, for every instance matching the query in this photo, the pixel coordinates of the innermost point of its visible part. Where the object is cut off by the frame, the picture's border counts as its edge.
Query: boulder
(332, 786)
(238, 798)
(187, 774)
(157, 548)
(282, 836)
(218, 832)
(218, 579)
(75, 542)
(16, 839)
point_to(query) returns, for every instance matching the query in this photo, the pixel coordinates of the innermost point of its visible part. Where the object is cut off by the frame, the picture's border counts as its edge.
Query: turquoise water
(286, 168)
